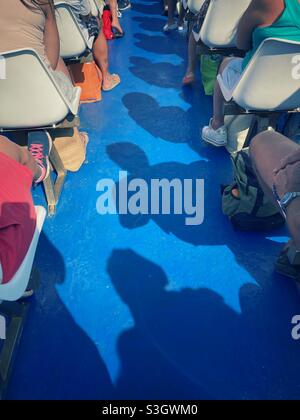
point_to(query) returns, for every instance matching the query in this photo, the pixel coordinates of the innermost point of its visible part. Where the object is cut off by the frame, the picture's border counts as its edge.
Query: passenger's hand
(289, 160)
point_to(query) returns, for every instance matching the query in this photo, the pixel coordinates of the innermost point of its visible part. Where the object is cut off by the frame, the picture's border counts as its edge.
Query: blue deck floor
(150, 308)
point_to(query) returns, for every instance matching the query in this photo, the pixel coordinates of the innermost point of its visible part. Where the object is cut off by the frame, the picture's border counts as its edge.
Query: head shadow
(215, 230)
(66, 363)
(190, 344)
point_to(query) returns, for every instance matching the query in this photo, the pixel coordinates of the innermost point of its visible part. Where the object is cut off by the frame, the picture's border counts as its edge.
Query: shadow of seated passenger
(57, 359)
(159, 120)
(147, 9)
(164, 75)
(150, 24)
(161, 45)
(254, 251)
(189, 344)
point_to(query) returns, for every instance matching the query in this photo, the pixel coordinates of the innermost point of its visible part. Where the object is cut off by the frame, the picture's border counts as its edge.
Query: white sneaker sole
(47, 160)
(207, 140)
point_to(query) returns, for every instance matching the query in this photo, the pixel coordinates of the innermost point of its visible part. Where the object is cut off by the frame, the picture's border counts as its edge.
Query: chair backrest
(271, 81)
(195, 5)
(30, 97)
(14, 290)
(220, 25)
(72, 41)
(97, 7)
(94, 8)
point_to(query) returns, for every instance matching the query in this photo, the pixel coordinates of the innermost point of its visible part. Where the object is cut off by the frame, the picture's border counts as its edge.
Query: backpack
(252, 210)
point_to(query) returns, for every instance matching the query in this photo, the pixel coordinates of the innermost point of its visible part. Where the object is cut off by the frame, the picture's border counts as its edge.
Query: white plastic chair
(73, 43)
(30, 96)
(15, 289)
(16, 310)
(97, 7)
(268, 83)
(220, 25)
(195, 5)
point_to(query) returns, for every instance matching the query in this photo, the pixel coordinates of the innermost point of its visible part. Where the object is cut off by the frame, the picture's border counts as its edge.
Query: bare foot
(188, 79)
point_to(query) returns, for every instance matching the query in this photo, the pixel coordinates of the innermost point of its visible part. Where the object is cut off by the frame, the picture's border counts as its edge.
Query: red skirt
(17, 215)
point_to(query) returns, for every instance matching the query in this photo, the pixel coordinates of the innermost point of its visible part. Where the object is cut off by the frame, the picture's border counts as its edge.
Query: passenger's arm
(259, 13)
(51, 35)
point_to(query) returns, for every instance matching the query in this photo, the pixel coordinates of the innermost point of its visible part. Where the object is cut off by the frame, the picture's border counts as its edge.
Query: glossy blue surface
(148, 307)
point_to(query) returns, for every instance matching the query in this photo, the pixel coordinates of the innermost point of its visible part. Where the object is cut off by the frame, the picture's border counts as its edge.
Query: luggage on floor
(89, 78)
(251, 210)
(71, 147)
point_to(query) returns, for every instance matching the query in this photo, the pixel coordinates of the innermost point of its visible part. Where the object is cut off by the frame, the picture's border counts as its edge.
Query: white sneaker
(168, 28)
(217, 138)
(182, 28)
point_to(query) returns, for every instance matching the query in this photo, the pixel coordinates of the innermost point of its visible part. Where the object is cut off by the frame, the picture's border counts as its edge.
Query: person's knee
(224, 64)
(268, 141)
(260, 143)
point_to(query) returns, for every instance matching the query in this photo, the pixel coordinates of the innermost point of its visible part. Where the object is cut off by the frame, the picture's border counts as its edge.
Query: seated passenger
(92, 28)
(190, 77)
(263, 19)
(19, 168)
(277, 164)
(32, 24)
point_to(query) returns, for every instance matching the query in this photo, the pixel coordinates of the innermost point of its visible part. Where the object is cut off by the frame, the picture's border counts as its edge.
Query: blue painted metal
(150, 308)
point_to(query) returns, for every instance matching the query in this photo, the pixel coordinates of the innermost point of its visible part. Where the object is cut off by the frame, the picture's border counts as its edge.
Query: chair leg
(17, 313)
(53, 189)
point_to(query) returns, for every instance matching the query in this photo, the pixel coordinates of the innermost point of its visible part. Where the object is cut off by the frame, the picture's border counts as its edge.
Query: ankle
(216, 124)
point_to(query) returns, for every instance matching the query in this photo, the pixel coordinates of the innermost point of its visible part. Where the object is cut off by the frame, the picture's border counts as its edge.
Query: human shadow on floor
(190, 344)
(216, 229)
(161, 45)
(150, 24)
(172, 123)
(147, 8)
(163, 75)
(56, 359)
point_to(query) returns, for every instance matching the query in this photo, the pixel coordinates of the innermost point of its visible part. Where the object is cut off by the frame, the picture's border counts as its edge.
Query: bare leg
(171, 11)
(181, 16)
(100, 52)
(267, 151)
(114, 12)
(192, 60)
(218, 118)
(20, 155)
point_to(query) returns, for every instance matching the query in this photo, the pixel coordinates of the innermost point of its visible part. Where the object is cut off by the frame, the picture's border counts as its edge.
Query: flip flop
(115, 82)
(188, 80)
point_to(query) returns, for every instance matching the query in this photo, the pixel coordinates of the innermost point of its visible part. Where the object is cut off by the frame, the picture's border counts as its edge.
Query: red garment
(107, 25)
(17, 215)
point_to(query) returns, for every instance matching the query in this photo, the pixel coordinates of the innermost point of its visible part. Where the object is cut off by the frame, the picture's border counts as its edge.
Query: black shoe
(124, 5)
